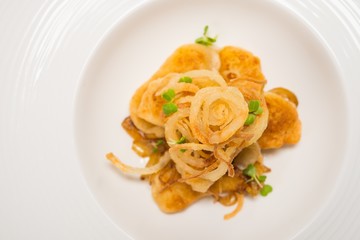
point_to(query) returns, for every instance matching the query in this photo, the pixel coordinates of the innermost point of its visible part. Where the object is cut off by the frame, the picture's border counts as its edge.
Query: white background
(44, 47)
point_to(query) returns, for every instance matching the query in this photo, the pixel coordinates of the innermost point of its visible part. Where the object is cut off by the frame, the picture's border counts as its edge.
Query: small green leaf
(253, 105)
(212, 40)
(169, 108)
(205, 39)
(262, 178)
(259, 111)
(182, 150)
(185, 79)
(266, 190)
(250, 171)
(206, 28)
(250, 119)
(181, 140)
(159, 142)
(169, 95)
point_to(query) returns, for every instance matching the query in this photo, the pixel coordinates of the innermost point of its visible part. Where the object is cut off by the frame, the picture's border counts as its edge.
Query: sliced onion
(187, 160)
(199, 184)
(240, 203)
(213, 76)
(164, 159)
(217, 173)
(210, 106)
(177, 126)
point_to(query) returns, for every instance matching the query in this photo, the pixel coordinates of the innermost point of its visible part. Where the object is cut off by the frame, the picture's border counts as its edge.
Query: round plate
(70, 77)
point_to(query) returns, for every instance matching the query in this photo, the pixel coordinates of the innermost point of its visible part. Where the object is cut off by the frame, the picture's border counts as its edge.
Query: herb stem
(257, 182)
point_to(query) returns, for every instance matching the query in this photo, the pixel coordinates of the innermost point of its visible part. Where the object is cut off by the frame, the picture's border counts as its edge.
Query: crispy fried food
(286, 93)
(239, 63)
(206, 145)
(171, 195)
(185, 58)
(284, 125)
(189, 57)
(150, 106)
(141, 145)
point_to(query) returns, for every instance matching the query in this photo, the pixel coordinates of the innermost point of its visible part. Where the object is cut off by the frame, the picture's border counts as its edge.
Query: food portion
(186, 58)
(202, 119)
(284, 126)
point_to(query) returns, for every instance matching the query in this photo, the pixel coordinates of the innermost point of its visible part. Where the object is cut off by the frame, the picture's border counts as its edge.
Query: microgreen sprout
(250, 119)
(157, 144)
(185, 79)
(266, 190)
(169, 107)
(169, 95)
(253, 105)
(205, 39)
(181, 140)
(262, 178)
(250, 172)
(254, 110)
(259, 111)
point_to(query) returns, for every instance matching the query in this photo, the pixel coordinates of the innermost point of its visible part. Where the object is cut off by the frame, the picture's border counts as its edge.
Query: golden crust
(189, 57)
(239, 63)
(170, 195)
(284, 125)
(148, 128)
(186, 58)
(240, 69)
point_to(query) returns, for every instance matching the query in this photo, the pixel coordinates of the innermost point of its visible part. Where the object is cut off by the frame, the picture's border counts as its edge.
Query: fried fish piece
(186, 58)
(149, 129)
(170, 194)
(237, 63)
(173, 195)
(189, 57)
(284, 125)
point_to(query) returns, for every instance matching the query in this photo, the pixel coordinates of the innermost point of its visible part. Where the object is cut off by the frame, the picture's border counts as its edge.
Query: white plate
(70, 68)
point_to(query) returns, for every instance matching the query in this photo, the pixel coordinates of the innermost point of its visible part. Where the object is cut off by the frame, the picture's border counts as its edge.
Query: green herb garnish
(258, 111)
(253, 105)
(169, 108)
(250, 172)
(185, 79)
(169, 95)
(181, 140)
(250, 119)
(205, 39)
(266, 190)
(157, 144)
(262, 178)
(254, 110)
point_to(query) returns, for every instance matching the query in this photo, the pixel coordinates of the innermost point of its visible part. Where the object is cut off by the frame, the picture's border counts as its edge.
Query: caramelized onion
(216, 113)
(140, 171)
(240, 203)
